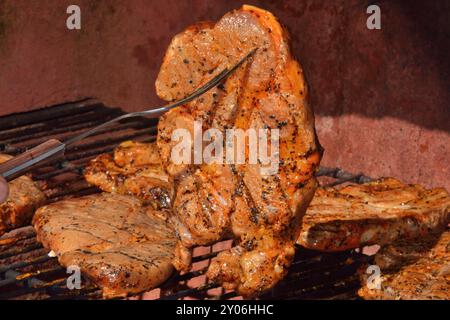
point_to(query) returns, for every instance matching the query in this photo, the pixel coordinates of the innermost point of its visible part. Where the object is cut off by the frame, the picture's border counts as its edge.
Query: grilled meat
(134, 168)
(411, 270)
(24, 197)
(378, 212)
(262, 212)
(393, 257)
(123, 247)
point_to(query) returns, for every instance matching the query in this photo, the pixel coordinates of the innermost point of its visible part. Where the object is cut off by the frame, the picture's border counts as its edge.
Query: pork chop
(418, 269)
(135, 169)
(122, 246)
(24, 197)
(262, 212)
(378, 212)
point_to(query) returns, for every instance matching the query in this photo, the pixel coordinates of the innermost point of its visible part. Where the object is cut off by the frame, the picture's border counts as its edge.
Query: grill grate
(26, 270)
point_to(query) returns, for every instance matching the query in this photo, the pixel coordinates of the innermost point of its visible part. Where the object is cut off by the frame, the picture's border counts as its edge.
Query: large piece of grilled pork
(123, 246)
(262, 212)
(378, 212)
(23, 199)
(417, 269)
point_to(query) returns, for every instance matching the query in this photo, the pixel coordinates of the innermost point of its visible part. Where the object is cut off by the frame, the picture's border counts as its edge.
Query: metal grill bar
(45, 114)
(26, 269)
(341, 176)
(17, 251)
(16, 277)
(70, 124)
(11, 241)
(22, 264)
(191, 292)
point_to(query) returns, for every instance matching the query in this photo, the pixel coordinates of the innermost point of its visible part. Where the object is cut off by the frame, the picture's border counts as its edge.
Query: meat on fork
(261, 211)
(24, 198)
(134, 168)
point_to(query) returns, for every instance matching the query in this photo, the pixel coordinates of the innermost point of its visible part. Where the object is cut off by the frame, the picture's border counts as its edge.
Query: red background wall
(381, 97)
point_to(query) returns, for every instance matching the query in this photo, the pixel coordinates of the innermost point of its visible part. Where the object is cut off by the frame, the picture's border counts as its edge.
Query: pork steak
(24, 198)
(417, 269)
(378, 212)
(122, 246)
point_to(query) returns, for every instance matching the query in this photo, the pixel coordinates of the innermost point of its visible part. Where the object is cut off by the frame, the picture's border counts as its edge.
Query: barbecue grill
(28, 272)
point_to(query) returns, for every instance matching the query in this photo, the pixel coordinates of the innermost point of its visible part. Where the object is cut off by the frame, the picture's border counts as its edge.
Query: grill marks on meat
(378, 212)
(203, 203)
(212, 200)
(416, 269)
(134, 168)
(24, 197)
(123, 247)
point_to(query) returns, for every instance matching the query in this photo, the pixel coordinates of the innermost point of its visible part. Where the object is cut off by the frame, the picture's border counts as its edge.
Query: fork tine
(213, 82)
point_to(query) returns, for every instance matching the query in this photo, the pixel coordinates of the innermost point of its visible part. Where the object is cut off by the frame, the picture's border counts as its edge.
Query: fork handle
(28, 160)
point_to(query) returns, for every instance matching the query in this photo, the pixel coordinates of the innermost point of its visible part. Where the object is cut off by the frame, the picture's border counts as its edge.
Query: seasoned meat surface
(418, 269)
(392, 257)
(261, 211)
(377, 212)
(24, 197)
(134, 168)
(123, 247)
